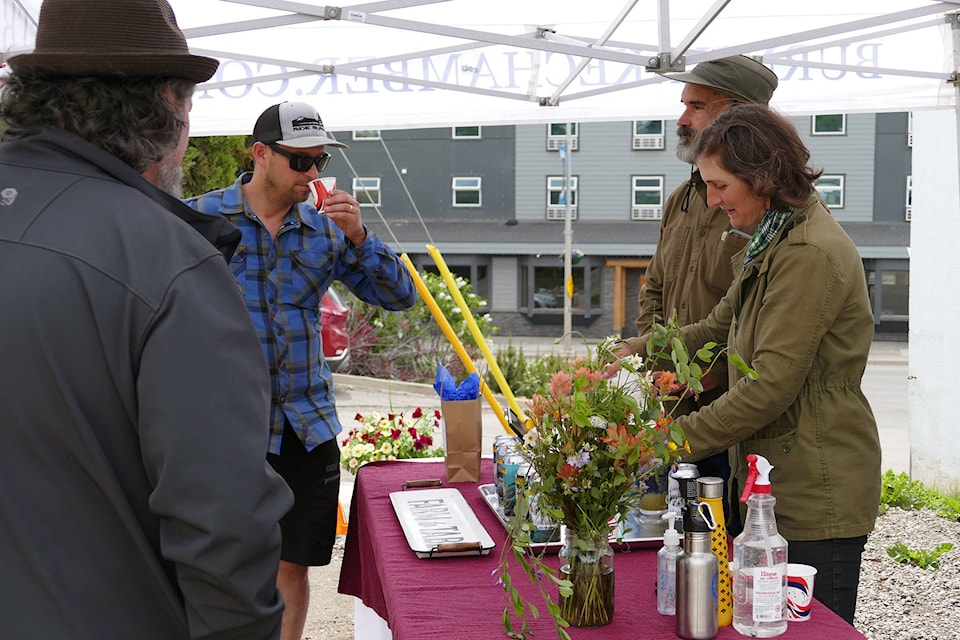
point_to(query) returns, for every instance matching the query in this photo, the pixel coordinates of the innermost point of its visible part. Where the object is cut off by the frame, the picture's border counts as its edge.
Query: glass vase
(586, 560)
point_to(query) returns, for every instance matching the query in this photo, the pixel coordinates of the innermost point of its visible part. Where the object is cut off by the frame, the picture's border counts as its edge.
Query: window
(466, 192)
(460, 133)
(830, 125)
(542, 290)
(647, 198)
(367, 191)
(474, 269)
(367, 134)
(556, 198)
(909, 208)
(831, 190)
(648, 134)
(888, 284)
(557, 136)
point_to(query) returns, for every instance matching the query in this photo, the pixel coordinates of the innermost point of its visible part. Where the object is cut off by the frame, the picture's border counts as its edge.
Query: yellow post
(477, 335)
(454, 340)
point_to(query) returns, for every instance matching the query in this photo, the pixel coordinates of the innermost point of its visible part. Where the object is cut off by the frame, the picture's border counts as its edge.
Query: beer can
(508, 480)
(504, 446)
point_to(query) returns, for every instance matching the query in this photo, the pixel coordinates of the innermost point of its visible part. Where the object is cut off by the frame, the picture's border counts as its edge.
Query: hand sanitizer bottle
(759, 565)
(667, 568)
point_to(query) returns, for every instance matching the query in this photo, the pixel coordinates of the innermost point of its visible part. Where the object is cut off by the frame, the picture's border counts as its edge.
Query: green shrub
(524, 375)
(898, 490)
(407, 345)
(919, 557)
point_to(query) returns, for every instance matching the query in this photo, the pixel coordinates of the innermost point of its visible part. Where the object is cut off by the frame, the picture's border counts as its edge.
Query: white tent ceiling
(426, 63)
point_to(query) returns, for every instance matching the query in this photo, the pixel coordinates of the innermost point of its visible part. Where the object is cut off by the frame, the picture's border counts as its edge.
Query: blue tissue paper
(448, 389)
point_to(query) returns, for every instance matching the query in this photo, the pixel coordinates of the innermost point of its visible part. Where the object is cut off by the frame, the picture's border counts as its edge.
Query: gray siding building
(493, 200)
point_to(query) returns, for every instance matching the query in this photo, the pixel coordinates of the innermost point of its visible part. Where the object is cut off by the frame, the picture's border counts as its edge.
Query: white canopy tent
(429, 63)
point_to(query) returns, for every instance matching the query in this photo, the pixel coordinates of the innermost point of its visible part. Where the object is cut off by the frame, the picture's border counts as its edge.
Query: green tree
(213, 163)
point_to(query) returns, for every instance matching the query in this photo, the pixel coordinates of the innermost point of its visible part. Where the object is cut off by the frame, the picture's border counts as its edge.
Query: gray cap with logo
(295, 125)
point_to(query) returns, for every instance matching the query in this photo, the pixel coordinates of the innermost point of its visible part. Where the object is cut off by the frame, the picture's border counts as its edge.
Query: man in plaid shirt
(287, 258)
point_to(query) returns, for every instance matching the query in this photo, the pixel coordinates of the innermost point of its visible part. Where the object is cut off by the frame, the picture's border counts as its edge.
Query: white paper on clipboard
(438, 523)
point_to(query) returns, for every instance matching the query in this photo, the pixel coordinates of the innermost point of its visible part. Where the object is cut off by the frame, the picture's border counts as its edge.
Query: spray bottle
(667, 568)
(697, 571)
(759, 564)
(711, 492)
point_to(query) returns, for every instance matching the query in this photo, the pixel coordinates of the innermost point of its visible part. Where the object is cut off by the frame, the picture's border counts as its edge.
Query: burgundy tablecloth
(444, 598)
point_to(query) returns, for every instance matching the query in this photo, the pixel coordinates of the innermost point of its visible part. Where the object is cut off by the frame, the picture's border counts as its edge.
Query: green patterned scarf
(765, 233)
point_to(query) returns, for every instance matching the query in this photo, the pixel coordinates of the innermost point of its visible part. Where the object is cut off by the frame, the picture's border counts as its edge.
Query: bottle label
(768, 593)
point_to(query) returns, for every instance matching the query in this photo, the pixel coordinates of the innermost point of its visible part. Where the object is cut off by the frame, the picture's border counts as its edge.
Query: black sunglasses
(300, 162)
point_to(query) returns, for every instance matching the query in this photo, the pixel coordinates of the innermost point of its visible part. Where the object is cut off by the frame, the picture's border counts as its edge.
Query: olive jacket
(800, 316)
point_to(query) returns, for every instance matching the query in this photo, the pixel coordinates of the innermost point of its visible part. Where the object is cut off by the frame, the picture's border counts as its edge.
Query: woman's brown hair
(763, 149)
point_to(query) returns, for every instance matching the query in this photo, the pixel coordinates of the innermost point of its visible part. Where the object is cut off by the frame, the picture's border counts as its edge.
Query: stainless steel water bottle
(697, 572)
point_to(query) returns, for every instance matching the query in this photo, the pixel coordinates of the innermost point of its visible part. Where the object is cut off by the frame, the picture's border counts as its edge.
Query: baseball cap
(740, 76)
(295, 125)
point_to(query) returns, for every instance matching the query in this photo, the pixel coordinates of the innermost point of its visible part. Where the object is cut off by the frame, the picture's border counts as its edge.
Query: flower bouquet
(390, 437)
(592, 441)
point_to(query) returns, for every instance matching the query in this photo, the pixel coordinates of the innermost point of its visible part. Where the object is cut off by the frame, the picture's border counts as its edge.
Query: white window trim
(645, 211)
(358, 191)
(843, 126)
(648, 141)
(477, 187)
(455, 136)
(363, 138)
(841, 188)
(559, 211)
(910, 128)
(554, 142)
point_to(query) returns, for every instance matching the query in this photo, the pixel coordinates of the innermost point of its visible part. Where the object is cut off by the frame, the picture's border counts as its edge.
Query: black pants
(838, 570)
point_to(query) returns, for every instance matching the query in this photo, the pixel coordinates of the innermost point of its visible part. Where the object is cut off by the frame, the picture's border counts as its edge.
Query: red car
(333, 319)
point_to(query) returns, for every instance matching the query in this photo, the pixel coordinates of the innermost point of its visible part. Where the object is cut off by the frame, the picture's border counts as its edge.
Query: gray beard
(169, 178)
(686, 152)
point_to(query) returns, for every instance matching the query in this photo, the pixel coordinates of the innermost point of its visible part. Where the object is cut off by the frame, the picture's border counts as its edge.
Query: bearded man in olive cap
(135, 501)
(691, 269)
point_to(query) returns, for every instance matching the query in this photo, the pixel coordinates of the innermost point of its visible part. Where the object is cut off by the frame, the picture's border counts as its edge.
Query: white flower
(597, 422)
(530, 437)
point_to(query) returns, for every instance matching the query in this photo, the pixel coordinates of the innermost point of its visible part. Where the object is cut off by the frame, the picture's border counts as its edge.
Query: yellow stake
(427, 298)
(477, 335)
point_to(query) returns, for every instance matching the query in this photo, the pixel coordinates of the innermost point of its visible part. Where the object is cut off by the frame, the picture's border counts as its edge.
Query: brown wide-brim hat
(110, 38)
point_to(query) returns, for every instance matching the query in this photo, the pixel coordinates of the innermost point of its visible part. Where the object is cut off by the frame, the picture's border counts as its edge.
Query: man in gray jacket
(135, 501)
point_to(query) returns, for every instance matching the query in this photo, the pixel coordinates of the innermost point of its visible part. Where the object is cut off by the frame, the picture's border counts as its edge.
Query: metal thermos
(697, 572)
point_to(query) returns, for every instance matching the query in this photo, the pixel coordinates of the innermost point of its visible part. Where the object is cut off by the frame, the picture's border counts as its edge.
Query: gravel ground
(895, 601)
(902, 602)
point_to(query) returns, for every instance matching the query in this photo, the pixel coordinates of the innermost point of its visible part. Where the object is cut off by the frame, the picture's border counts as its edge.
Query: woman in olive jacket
(799, 314)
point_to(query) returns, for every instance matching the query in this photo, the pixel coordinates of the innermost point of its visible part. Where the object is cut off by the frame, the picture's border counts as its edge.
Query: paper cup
(321, 188)
(799, 591)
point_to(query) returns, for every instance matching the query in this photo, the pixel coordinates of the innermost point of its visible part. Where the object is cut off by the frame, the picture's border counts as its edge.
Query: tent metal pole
(567, 241)
(953, 19)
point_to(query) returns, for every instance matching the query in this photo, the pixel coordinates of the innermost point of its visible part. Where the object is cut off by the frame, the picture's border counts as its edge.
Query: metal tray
(489, 494)
(439, 523)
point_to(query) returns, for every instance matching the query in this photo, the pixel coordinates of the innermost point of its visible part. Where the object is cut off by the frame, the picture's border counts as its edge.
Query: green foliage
(406, 345)
(919, 557)
(898, 490)
(213, 163)
(524, 375)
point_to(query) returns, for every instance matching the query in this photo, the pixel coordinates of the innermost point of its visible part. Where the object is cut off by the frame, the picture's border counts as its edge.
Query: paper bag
(462, 434)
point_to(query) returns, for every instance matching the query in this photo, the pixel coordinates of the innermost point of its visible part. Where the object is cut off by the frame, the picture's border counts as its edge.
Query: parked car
(336, 340)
